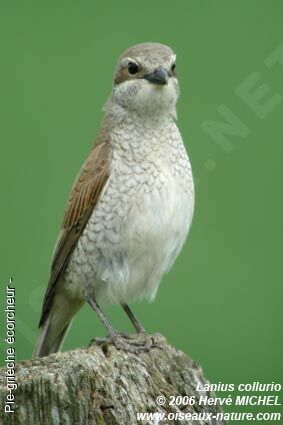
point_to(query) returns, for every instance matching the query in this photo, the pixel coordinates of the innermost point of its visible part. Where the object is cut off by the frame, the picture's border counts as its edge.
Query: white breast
(156, 202)
(157, 230)
(142, 219)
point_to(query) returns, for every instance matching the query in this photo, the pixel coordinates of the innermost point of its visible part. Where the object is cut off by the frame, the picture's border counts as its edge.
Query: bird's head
(145, 80)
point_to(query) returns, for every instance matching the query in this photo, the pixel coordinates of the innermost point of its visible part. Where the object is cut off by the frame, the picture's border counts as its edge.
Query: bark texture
(103, 385)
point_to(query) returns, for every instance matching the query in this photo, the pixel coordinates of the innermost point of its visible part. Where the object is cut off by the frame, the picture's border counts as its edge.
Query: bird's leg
(137, 324)
(120, 341)
(93, 303)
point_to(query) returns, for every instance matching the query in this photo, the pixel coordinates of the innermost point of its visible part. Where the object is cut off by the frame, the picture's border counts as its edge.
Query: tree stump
(103, 385)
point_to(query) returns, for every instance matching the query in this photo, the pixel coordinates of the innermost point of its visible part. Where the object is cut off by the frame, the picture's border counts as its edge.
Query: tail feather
(56, 325)
(45, 344)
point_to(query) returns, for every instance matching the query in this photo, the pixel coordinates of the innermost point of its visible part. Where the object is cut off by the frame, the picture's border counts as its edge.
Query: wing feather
(83, 198)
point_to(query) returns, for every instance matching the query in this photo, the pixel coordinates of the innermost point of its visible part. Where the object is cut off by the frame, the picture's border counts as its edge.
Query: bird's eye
(133, 68)
(173, 67)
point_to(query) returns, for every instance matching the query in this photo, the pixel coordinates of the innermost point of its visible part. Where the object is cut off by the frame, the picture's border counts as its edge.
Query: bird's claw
(136, 343)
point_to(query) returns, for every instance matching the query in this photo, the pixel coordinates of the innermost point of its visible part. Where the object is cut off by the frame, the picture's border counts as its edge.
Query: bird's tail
(56, 325)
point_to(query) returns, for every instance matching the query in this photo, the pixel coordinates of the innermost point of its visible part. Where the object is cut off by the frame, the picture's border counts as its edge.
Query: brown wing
(83, 198)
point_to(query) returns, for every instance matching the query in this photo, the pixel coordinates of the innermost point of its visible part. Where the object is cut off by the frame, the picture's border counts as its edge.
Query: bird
(131, 206)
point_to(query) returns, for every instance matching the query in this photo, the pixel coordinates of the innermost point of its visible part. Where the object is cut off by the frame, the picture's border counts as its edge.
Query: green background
(222, 301)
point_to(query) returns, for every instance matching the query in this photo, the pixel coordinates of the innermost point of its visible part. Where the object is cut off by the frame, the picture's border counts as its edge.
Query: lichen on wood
(103, 385)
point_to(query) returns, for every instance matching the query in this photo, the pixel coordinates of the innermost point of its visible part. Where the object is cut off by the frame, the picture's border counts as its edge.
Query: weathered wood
(101, 385)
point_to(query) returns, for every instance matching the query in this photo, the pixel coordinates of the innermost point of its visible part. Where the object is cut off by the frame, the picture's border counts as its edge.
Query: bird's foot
(133, 343)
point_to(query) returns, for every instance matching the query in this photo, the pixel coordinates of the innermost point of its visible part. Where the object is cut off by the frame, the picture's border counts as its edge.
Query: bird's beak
(159, 76)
